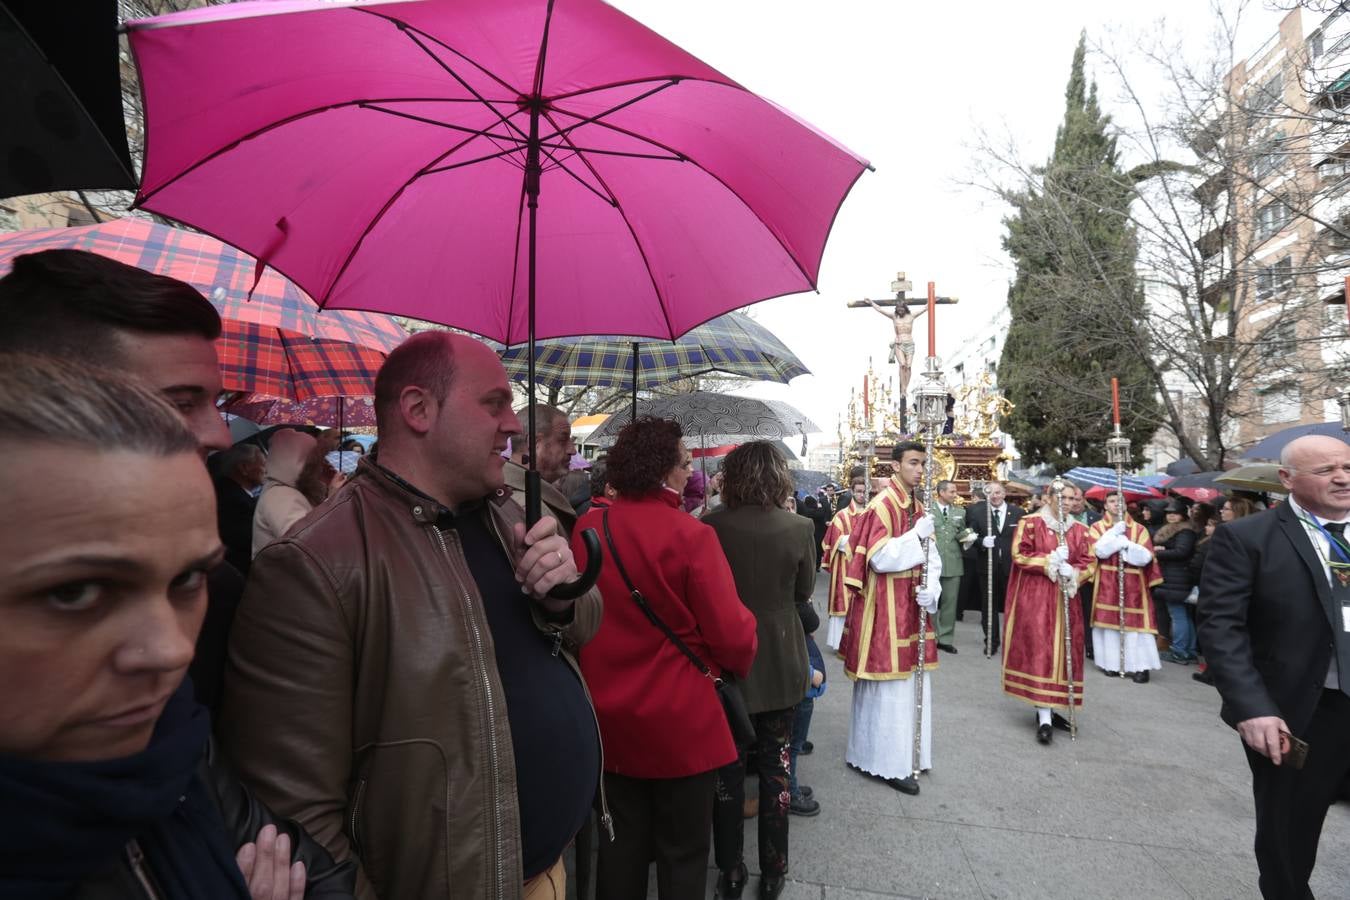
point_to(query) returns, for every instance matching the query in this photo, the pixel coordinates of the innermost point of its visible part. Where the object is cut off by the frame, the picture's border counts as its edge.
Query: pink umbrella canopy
(377, 155)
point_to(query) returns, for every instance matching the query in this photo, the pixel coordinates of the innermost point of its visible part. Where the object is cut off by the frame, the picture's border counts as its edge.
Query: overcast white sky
(908, 85)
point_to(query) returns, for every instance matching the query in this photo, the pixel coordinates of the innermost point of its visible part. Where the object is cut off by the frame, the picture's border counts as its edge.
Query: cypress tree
(1073, 292)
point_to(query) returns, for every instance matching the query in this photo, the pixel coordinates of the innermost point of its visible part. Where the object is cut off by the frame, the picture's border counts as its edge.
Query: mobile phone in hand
(1294, 750)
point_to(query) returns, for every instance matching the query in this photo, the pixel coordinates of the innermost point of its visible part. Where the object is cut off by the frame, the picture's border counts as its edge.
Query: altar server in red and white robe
(1113, 539)
(1034, 669)
(835, 559)
(881, 629)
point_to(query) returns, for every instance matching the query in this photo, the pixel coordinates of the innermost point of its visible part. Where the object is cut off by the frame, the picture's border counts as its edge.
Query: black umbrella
(1186, 466)
(62, 99)
(1195, 480)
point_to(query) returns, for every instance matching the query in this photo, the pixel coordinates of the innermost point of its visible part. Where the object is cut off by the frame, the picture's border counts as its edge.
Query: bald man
(1274, 618)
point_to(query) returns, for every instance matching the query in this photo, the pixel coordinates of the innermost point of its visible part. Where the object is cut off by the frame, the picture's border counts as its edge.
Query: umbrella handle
(534, 511)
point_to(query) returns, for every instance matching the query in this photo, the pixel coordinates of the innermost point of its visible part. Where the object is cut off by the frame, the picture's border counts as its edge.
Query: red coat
(659, 717)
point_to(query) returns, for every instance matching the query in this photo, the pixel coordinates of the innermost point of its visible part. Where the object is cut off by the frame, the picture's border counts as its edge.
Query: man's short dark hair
(236, 456)
(73, 303)
(943, 485)
(898, 453)
(599, 478)
(425, 360)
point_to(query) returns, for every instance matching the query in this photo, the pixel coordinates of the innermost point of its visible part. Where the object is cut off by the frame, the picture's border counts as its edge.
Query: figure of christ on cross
(902, 320)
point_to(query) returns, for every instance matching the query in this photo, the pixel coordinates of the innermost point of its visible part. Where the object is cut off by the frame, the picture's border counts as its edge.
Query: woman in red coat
(664, 731)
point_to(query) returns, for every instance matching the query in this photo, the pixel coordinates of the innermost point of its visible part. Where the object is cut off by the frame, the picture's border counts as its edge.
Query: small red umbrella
(1198, 494)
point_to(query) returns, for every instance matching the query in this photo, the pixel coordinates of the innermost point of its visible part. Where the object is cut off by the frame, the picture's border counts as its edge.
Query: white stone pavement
(1152, 802)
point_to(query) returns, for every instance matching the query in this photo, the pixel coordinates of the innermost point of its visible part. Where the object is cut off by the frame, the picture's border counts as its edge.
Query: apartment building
(1277, 203)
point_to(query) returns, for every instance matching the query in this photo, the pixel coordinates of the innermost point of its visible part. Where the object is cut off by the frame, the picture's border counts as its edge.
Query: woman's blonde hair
(49, 400)
(756, 474)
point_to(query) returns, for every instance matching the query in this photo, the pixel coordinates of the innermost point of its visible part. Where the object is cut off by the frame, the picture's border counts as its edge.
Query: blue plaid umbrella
(733, 343)
(1094, 475)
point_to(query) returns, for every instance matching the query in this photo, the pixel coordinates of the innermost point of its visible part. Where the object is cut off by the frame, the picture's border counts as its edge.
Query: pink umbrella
(384, 157)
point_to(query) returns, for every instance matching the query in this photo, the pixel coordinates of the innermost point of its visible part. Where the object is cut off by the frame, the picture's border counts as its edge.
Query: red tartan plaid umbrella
(280, 363)
(275, 342)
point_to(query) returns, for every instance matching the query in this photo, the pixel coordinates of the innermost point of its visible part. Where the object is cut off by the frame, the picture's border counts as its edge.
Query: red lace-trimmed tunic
(1033, 631)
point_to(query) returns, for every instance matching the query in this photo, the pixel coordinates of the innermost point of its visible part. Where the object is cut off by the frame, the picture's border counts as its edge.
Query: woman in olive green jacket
(772, 557)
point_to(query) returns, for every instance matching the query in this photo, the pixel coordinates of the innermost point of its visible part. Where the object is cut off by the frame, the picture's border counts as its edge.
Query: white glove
(842, 545)
(1116, 529)
(1108, 545)
(1059, 555)
(1067, 572)
(1136, 555)
(928, 599)
(924, 528)
(988, 542)
(968, 539)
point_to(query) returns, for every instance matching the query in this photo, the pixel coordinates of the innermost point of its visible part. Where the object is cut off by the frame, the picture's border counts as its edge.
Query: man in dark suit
(1275, 624)
(241, 475)
(993, 529)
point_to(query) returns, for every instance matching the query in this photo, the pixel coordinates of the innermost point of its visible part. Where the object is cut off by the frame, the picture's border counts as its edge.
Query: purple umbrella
(439, 159)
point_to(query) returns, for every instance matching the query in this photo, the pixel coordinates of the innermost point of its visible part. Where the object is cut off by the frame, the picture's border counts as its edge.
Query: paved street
(1152, 802)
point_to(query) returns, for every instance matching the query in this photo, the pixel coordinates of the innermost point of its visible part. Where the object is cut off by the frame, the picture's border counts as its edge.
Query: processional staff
(932, 413)
(1117, 453)
(1065, 595)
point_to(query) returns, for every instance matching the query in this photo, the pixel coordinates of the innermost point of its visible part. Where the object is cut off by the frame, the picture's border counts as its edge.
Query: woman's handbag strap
(642, 601)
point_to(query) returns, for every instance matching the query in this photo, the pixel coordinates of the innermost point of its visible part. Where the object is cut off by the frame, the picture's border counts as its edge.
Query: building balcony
(1214, 240)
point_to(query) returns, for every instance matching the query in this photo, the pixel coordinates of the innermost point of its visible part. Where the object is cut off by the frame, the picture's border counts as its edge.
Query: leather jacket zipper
(494, 753)
(136, 860)
(606, 820)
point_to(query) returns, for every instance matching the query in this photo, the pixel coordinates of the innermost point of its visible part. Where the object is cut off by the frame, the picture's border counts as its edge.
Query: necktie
(998, 520)
(1339, 568)
(1340, 592)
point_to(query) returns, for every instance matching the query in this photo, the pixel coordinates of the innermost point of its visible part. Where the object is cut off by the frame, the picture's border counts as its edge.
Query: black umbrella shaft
(635, 379)
(533, 170)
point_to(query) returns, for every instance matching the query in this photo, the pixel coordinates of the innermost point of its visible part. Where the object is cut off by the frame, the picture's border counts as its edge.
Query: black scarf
(65, 822)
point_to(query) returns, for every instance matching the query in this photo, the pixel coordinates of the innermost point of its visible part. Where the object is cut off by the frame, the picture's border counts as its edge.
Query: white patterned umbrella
(715, 419)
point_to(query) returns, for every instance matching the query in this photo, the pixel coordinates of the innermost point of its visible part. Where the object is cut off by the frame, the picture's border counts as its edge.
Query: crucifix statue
(902, 320)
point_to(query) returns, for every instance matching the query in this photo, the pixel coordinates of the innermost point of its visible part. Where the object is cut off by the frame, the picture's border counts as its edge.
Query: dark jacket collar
(424, 508)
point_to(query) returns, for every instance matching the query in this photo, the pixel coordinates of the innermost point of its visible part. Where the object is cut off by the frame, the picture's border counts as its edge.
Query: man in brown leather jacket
(399, 680)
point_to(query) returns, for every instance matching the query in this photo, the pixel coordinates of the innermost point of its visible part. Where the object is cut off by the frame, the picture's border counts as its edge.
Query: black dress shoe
(804, 806)
(804, 791)
(807, 747)
(947, 648)
(730, 884)
(1140, 677)
(1203, 677)
(770, 886)
(907, 785)
(1045, 734)
(1059, 722)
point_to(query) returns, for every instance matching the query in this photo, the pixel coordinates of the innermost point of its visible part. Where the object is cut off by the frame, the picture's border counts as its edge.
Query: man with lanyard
(888, 549)
(993, 520)
(1274, 619)
(835, 550)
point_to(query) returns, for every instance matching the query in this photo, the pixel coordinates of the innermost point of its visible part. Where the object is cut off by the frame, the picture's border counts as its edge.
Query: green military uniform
(949, 528)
